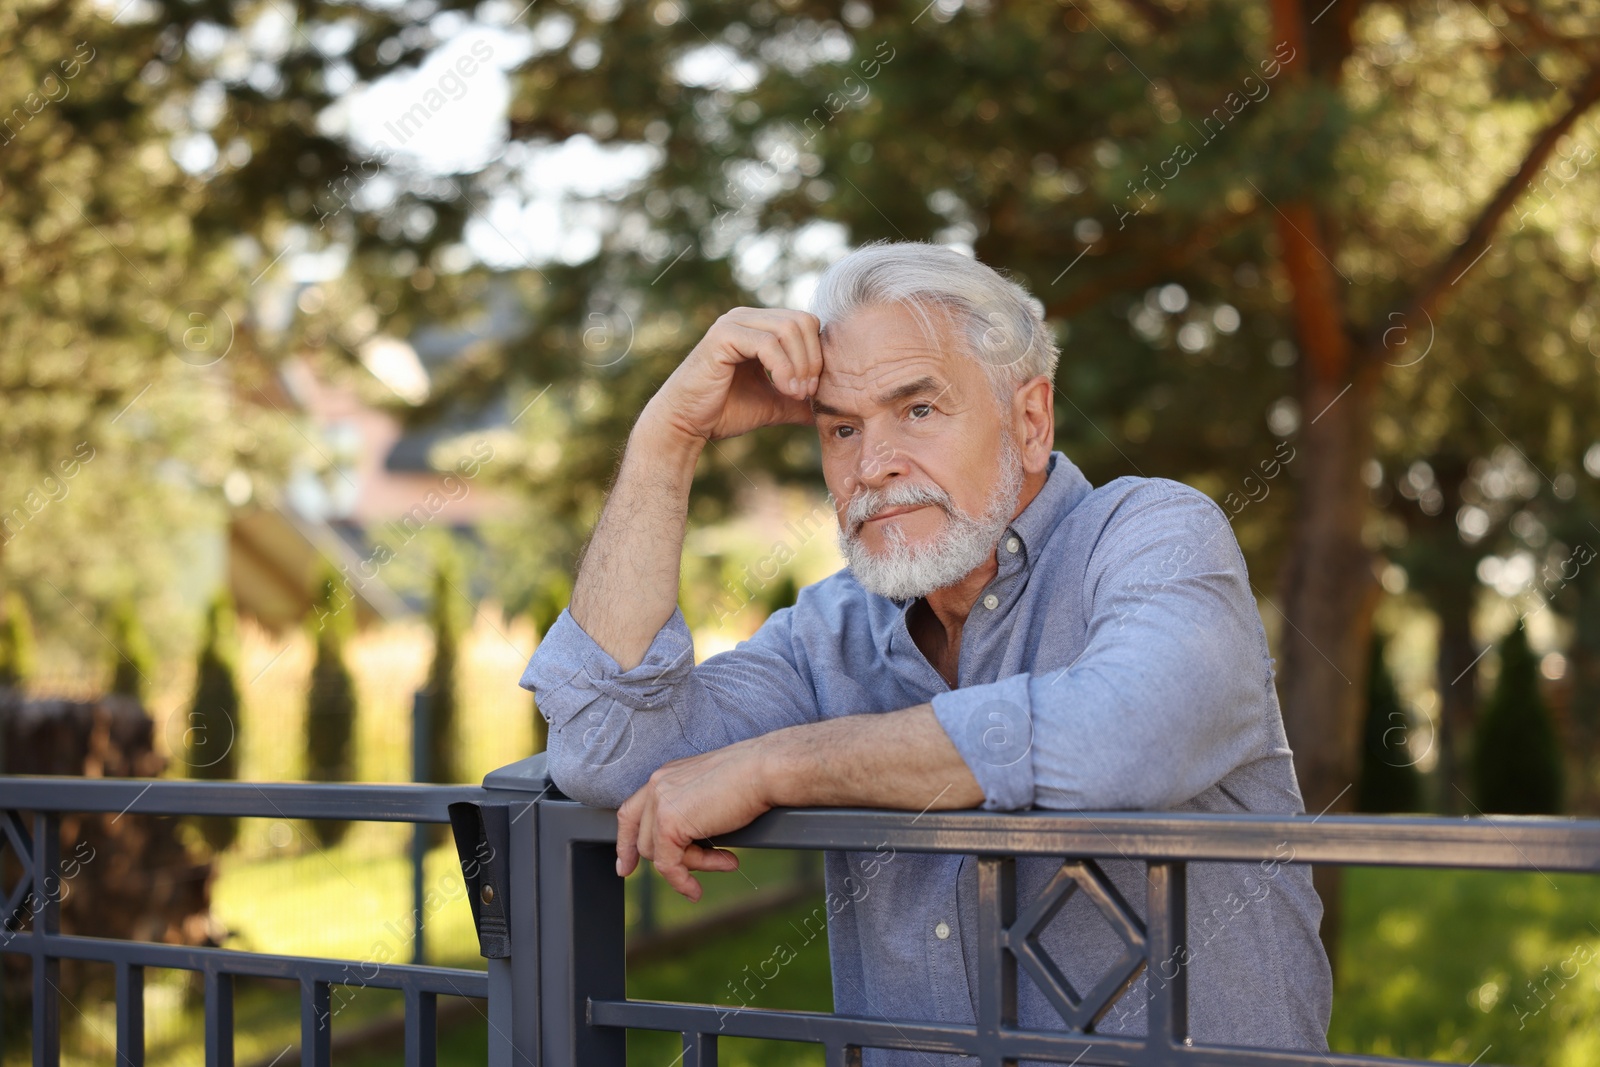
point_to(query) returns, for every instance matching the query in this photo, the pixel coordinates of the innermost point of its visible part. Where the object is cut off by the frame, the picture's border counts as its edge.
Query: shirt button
(1012, 544)
(942, 931)
(991, 601)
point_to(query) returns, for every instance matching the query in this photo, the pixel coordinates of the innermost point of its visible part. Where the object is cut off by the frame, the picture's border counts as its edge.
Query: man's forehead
(884, 371)
(885, 327)
(881, 349)
(885, 383)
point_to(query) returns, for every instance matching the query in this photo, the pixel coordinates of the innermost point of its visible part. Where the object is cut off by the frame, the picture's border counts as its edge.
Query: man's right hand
(627, 587)
(755, 367)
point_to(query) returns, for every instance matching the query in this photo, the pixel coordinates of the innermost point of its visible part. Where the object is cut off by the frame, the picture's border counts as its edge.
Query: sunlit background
(322, 325)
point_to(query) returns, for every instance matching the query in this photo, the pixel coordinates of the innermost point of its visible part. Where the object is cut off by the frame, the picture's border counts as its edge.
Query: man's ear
(1033, 420)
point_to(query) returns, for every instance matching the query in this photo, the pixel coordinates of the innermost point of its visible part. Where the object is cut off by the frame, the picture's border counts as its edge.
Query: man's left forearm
(899, 759)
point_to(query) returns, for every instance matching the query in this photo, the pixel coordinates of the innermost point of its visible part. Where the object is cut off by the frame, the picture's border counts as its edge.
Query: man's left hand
(894, 759)
(687, 801)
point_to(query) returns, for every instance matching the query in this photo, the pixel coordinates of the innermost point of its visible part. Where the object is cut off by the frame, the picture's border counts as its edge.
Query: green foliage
(331, 702)
(781, 593)
(549, 600)
(1389, 779)
(1032, 133)
(550, 597)
(127, 361)
(1516, 752)
(16, 640)
(541, 729)
(1444, 964)
(1025, 131)
(130, 662)
(445, 618)
(214, 727)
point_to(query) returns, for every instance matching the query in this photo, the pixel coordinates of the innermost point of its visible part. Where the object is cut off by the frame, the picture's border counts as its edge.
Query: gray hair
(1002, 322)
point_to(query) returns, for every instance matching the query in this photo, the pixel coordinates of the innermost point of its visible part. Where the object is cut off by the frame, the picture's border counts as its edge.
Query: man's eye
(921, 411)
(843, 431)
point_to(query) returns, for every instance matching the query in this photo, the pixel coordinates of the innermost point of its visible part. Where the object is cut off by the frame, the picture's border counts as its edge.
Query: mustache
(868, 503)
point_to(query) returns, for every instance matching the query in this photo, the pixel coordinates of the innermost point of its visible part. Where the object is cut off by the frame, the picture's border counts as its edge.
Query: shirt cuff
(991, 726)
(569, 670)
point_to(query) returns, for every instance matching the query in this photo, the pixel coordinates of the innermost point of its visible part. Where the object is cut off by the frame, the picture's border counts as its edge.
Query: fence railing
(548, 908)
(32, 926)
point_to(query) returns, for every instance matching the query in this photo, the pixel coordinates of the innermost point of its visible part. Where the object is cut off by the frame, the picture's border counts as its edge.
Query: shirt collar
(1064, 486)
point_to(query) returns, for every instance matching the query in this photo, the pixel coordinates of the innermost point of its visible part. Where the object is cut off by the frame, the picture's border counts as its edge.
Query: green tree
(1585, 700)
(442, 693)
(1516, 753)
(158, 169)
(548, 601)
(541, 730)
(16, 640)
(1389, 780)
(130, 662)
(1481, 435)
(549, 598)
(331, 701)
(781, 594)
(213, 730)
(1188, 192)
(1239, 202)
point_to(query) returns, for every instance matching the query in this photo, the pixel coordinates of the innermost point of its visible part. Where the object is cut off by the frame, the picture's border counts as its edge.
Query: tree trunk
(1328, 595)
(1443, 570)
(1584, 710)
(1328, 590)
(1458, 698)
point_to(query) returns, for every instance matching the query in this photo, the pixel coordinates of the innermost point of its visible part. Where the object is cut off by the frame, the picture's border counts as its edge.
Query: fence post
(564, 924)
(421, 771)
(581, 937)
(46, 862)
(1166, 946)
(503, 886)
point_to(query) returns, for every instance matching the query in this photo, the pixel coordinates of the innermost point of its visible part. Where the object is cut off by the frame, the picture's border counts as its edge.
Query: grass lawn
(1446, 964)
(698, 976)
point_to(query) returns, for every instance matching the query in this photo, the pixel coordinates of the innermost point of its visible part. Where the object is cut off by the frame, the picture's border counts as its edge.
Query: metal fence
(32, 911)
(548, 907)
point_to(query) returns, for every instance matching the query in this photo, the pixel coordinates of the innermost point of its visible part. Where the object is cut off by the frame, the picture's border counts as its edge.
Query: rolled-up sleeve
(611, 729)
(1173, 688)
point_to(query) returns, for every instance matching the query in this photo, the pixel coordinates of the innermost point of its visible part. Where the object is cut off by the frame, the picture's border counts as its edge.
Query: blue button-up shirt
(1116, 661)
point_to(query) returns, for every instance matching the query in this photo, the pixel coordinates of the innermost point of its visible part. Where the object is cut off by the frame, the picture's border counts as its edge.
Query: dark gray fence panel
(37, 903)
(551, 918)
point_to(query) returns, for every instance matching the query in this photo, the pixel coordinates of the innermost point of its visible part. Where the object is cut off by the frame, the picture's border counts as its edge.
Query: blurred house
(367, 487)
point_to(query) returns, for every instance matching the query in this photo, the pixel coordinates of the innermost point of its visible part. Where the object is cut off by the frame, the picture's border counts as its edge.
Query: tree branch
(1155, 16)
(541, 127)
(1465, 256)
(1150, 270)
(1541, 32)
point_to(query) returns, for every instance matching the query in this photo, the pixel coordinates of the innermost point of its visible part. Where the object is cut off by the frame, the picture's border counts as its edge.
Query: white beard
(904, 571)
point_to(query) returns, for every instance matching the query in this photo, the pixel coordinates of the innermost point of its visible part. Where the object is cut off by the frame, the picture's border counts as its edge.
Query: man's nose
(881, 460)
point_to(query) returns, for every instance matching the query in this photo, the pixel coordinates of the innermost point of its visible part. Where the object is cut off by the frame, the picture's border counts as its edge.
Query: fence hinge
(483, 836)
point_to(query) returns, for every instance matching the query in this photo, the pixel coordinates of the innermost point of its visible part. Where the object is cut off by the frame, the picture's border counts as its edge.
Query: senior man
(1006, 635)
